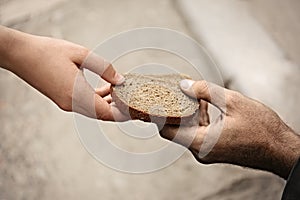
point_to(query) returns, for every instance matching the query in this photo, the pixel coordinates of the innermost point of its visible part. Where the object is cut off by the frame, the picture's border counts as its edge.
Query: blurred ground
(41, 156)
(281, 20)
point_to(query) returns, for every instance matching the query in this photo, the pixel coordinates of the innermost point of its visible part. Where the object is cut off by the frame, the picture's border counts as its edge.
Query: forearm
(21, 53)
(9, 43)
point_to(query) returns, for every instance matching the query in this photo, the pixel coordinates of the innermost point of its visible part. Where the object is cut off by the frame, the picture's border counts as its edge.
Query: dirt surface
(41, 156)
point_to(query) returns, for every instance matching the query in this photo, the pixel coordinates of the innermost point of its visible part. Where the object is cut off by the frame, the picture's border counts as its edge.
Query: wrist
(284, 153)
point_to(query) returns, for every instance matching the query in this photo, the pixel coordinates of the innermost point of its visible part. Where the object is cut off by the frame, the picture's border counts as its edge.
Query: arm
(54, 66)
(251, 134)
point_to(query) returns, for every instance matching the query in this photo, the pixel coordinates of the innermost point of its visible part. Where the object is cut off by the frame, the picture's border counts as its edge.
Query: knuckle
(103, 114)
(79, 51)
(65, 102)
(233, 97)
(100, 115)
(84, 52)
(109, 70)
(65, 106)
(201, 87)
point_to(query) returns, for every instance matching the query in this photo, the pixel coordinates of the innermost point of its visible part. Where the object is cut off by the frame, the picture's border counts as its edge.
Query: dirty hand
(247, 133)
(55, 68)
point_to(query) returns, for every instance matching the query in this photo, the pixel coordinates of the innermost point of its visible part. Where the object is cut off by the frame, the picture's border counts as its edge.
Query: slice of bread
(155, 98)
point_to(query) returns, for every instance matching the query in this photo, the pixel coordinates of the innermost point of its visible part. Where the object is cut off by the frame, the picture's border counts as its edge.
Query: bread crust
(146, 117)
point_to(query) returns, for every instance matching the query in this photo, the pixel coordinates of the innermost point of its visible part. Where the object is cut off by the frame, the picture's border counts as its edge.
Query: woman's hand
(54, 67)
(247, 133)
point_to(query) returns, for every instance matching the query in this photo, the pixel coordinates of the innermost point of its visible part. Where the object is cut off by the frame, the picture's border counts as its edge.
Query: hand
(247, 133)
(52, 66)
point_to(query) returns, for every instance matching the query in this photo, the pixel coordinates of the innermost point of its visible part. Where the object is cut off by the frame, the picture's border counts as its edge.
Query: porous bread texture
(155, 98)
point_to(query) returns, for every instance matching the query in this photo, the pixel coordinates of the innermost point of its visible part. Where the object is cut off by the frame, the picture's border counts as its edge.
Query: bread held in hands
(155, 98)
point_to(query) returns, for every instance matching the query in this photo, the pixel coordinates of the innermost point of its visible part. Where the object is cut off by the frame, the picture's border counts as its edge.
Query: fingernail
(120, 79)
(186, 84)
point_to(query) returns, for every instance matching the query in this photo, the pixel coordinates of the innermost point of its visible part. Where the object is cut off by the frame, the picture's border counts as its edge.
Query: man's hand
(52, 66)
(247, 133)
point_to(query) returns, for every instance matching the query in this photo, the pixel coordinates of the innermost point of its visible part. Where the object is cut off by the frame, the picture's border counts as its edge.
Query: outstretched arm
(247, 133)
(54, 66)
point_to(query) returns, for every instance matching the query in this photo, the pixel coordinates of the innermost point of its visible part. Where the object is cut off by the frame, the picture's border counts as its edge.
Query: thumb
(100, 66)
(196, 89)
(207, 91)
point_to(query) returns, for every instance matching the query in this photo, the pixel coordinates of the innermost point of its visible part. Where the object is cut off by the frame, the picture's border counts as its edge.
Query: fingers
(199, 89)
(103, 91)
(190, 137)
(204, 117)
(209, 92)
(87, 102)
(169, 132)
(108, 111)
(91, 61)
(83, 96)
(103, 109)
(103, 68)
(118, 115)
(199, 139)
(112, 76)
(108, 98)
